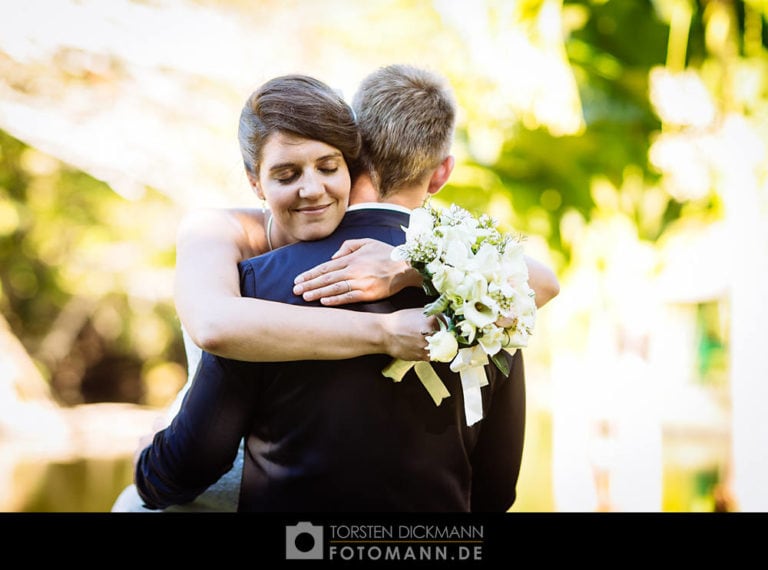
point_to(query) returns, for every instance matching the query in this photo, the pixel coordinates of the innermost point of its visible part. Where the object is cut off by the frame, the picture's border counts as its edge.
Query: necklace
(269, 231)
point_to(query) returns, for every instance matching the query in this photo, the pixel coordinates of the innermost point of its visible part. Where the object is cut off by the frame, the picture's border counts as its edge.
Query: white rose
(459, 234)
(442, 346)
(457, 254)
(421, 223)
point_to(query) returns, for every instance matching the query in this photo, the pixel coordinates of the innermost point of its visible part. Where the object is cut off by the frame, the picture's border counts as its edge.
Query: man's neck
(364, 191)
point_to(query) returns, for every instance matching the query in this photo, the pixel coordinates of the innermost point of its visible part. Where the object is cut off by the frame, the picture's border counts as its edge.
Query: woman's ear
(253, 180)
(441, 174)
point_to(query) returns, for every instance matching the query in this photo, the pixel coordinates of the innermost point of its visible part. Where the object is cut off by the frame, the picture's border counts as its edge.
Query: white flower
(487, 262)
(421, 223)
(523, 313)
(461, 234)
(442, 346)
(446, 278)
(480, 312)
(518, 338)
(457, 254)
(470, 286)
(468, 331)
(492, 339)
(513, 262)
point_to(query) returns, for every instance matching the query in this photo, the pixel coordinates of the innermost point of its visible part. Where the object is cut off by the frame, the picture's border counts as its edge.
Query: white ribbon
(469, 363)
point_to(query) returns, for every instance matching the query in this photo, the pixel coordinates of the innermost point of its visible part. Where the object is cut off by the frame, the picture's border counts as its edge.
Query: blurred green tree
(85, 276)
(538, 175)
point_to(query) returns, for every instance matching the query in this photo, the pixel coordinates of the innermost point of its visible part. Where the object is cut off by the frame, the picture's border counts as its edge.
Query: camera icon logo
(304, 541)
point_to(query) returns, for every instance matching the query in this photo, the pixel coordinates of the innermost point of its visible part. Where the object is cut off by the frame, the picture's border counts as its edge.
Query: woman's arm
(362, 271)
(543, 281)
(211, 243)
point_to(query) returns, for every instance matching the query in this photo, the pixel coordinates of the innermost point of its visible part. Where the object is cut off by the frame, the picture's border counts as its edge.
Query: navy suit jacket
(338, 435)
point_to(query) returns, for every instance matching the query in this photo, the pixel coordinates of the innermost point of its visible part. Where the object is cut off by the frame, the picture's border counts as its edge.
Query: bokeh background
(627, 139)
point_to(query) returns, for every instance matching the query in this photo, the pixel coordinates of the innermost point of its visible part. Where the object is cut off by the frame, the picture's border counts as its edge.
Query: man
(337, 435)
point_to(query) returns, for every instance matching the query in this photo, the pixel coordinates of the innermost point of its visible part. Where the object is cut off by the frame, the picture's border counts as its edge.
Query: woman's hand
(362, 270)
(406, 331)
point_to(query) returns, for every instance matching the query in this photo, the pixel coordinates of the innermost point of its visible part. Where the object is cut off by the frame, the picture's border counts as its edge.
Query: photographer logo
(304, 541)
(451, 543)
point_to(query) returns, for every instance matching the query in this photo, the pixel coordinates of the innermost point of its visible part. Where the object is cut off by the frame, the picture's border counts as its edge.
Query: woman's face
(306, 184)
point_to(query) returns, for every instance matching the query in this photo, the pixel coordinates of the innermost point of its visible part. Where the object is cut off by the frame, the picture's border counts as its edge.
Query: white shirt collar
(379, 206)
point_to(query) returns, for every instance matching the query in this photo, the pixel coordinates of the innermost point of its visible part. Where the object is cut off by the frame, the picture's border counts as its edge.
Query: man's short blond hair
(406, 117)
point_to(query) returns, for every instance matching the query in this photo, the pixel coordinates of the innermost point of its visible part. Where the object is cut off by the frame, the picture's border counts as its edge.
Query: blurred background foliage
(603, 130)
(85, 287)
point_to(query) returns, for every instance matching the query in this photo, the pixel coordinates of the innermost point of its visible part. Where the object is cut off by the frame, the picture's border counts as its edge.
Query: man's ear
(441, 174)
(254, 182)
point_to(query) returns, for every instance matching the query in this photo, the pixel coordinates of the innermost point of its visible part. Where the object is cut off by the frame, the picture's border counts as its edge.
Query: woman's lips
(313, 210)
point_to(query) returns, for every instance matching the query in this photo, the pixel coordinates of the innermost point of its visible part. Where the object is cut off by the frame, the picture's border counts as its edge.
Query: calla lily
(480, 312)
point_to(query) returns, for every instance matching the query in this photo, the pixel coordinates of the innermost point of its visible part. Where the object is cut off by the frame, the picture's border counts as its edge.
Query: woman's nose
(312, 187)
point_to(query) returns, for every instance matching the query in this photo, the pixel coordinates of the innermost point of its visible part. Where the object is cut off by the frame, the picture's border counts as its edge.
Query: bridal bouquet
(484, 303)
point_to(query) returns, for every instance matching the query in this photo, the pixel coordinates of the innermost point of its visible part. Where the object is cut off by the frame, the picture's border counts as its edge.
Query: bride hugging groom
(288, 409)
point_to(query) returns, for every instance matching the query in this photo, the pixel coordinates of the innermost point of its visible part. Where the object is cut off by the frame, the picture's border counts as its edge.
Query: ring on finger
(349, 287)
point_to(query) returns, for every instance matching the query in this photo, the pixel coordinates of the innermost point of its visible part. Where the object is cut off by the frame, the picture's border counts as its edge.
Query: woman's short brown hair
(302, 106)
